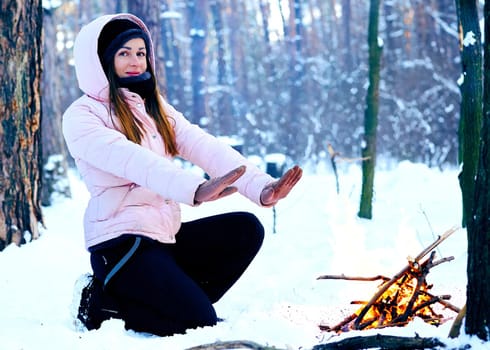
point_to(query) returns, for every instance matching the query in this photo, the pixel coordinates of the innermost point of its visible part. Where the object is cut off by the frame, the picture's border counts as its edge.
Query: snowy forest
(290, 76)
(299, 78)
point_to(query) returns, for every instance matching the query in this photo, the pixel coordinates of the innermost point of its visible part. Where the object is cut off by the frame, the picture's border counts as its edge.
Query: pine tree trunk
(269, 86)
(294, 136)
(471, 102)
(197, 10)
(171, 53)
(346, 23)
(224, 123)
(239, 66)
(149, 12)
(371, 114)
(20, 116)
(54, 152)
(478, 289)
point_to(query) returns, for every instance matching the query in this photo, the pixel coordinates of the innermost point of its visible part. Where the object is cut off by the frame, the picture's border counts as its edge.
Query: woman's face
(130, 59)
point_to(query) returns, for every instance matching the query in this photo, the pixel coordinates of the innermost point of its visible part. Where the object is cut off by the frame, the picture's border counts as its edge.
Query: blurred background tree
(289, 76)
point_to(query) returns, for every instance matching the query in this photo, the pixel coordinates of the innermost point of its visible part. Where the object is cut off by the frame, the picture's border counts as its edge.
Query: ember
(401, 298)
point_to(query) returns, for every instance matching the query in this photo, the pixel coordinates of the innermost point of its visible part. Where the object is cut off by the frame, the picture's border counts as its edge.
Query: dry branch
(458, 322)
(233, 344)
(442, 300)
(378, 341)
(344, 277)
(333, 155)
(385, 342)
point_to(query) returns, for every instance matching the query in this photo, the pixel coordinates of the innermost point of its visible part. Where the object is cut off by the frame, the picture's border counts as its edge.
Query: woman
(151, 270)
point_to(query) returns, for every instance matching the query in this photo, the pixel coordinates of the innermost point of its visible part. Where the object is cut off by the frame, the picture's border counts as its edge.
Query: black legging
(167, 288)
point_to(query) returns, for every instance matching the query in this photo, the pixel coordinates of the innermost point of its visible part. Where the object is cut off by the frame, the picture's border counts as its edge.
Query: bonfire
(401, 298)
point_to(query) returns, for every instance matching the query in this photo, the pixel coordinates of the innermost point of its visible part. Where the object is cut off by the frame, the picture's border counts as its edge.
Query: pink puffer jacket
(137, 188)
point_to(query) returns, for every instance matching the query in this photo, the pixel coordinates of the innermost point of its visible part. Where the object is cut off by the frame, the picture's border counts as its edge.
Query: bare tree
(346, 23)
(296, 39)
(20, 116)
(371, 113)
(236, 19)
(54, 152)
(171, 54)
(224, 122)
(198, 18)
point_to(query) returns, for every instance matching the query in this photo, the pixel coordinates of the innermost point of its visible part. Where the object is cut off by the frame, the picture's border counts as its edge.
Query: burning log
(401, 298)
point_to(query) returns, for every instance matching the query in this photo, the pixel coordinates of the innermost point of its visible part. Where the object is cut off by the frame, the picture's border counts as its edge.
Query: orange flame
(402, 301)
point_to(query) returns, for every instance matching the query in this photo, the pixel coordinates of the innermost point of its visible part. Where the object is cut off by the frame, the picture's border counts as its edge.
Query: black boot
(95, 305)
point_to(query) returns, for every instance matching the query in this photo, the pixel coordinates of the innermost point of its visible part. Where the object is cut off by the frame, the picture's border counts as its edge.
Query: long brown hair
(132, 127)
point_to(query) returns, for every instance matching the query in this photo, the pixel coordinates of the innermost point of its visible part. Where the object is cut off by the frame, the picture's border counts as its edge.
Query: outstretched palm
(279, 189)
(218, 187)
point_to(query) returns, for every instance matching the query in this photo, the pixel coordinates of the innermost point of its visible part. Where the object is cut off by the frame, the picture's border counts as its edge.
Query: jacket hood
(90, 74)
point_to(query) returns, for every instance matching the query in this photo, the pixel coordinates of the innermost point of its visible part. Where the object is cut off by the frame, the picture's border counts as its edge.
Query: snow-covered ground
(279, 300)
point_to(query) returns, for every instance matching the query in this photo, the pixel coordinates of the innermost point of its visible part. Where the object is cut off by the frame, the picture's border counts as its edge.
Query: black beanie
(114, 35)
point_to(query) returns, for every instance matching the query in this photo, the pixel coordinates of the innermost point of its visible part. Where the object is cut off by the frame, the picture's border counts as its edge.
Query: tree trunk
(236, 12)
(54, 152)
(269, 86)
(294, 137)
(224, 123)
(393, 24)
(335, 31)
(198, 18)
(471, 101)
(149, 12)
(285, 27)
(346, 23)
(171, 54)
(371, 113)
(478, 289)
(20, 116)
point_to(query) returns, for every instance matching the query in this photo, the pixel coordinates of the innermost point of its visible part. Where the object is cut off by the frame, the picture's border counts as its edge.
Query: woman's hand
(218, 187)
(279, 189)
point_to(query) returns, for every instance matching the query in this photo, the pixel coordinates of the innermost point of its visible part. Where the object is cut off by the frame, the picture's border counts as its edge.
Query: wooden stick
(338, 326)
(420, 282)
(441, 300)
(443, 260)
(438, 241)
(458, 322)
(424, 304)
(344, 277)
(334, 154)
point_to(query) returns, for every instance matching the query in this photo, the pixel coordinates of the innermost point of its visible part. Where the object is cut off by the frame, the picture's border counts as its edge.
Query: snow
(197, 32)
(469, 39)
(171, 15)
(460, 80)
(279, 301)
(277, 158)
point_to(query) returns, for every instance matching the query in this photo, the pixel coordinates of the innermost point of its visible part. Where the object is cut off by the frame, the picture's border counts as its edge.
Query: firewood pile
(401, 298)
